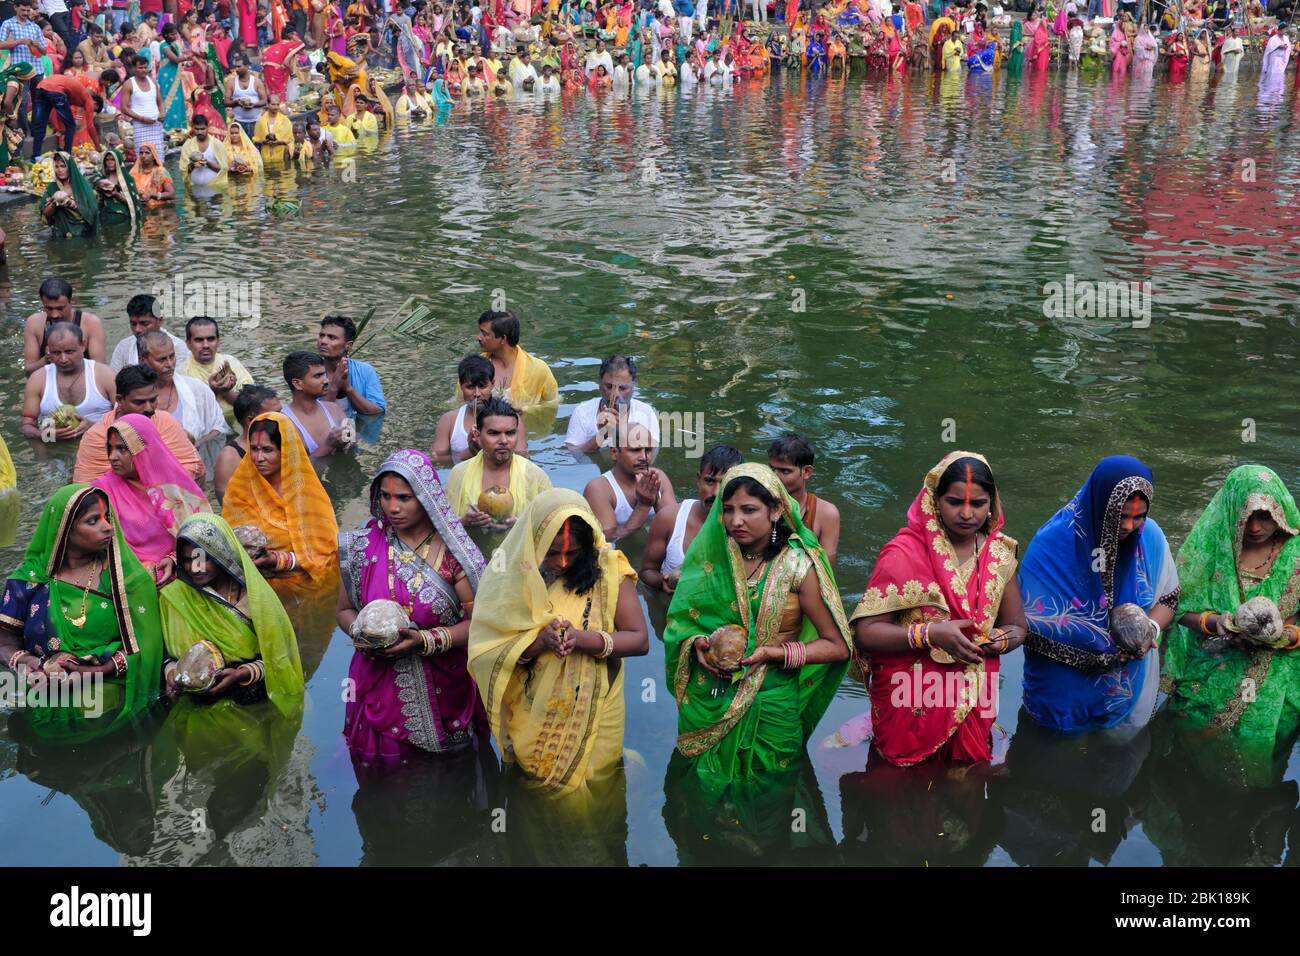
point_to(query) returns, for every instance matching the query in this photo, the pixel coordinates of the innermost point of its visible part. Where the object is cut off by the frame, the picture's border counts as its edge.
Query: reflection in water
(430, 810)
(776, 819)
(928, 815)
(584, 827)
(1214, 803)
(1069, 800)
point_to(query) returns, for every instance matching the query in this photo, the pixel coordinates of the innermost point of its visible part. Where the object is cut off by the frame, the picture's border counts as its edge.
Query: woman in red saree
(1177, 53)
(915, 17)
(791, 12)
(277, 65)
(940, 608)
(1040, 48)
(936, 47)
(247, 23)
(895, 56)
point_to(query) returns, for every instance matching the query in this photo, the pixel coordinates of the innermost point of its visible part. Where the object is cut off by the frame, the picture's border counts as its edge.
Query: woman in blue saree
(171, 62)
(1098, 552)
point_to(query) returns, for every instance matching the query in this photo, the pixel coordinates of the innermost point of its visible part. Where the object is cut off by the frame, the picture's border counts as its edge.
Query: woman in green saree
(118, 200)
(81, 603)
(1245, 545)
(753, 564)
(68, 203)
(13, 76)
(1016, 61)
(219, 596)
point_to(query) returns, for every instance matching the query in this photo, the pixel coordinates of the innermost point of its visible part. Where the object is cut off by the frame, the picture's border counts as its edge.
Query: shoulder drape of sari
(127, 609)
(1250, 693)
(298, 518)
(916, 577)
(1068, 603)
(727, 731)
(191, 614)
(151, 507)
(428, 702)
(152, 180)
(563, 724)
(83, 194)
(465, 484)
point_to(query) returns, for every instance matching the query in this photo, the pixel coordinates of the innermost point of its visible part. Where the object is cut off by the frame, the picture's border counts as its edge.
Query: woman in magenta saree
(1040, 48)
(418, 695)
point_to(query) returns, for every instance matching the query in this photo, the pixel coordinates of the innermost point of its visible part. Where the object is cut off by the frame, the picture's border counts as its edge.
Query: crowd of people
(222, 82)
(501, 608)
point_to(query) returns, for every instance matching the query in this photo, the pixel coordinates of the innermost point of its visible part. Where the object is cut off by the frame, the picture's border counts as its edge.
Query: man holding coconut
(494, 487)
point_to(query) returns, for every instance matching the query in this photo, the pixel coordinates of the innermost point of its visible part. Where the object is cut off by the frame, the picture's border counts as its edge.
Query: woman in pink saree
(1040, 48)
(247, 23)
(1118, 51)
(150, 490)
(1145, 53)
(417, 695)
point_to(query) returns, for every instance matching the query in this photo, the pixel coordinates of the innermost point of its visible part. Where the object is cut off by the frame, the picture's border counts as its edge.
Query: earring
(774, 532)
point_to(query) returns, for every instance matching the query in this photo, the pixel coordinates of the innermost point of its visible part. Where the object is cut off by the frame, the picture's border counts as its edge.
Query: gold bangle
(1202, 622)
(607, 640)
(252, 675)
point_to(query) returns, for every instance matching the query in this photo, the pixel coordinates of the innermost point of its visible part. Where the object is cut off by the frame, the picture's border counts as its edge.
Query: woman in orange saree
(941, 607)
(152, 182)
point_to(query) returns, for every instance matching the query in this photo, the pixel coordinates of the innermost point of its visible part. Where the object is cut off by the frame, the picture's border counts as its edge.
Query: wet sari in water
(918, 577)
(760, 721)
(1074, 573)
(561, 718)
(1254, 693)
(255, 628)
(411, 702)
(125, 206)
(121, 616)
(80, 218)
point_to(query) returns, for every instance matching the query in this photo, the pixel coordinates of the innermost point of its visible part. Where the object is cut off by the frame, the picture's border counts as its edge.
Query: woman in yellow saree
(556, 610)
(219, 596)
(244, 158)
(275, 488)
(756, 570)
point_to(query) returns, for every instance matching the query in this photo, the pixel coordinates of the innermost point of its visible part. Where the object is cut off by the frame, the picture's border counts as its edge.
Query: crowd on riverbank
(222, 85)
(500, 608)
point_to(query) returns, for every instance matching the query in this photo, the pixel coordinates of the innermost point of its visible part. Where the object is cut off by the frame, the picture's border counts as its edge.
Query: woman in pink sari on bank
(417, 695)
(150, 491)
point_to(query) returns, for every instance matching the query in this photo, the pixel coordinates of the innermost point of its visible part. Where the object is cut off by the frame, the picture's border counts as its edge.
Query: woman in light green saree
(219, 596)
(754, 565)
(1245, 545)
(82, 604)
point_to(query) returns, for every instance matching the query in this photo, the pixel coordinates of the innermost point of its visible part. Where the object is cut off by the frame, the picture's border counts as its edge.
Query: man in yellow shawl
(273, 134)
(338, 130)
(555, 612)
(521, 379)
(492, 489)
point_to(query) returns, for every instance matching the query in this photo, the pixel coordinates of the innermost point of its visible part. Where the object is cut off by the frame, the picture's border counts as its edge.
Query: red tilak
(564, 547)
(968, 487)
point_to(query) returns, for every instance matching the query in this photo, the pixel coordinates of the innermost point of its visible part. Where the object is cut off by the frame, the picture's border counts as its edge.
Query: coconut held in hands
(1258, 621)
(1131, 629)
(378, 624)
(727, 647)
(497, 502)
(197, 669)
(252, 539)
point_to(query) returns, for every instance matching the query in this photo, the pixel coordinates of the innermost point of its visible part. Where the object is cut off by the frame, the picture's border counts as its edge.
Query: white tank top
(675, 554)
(92, 407)
(245, 114)
(144, 103)
(622, 508)
(459, 437)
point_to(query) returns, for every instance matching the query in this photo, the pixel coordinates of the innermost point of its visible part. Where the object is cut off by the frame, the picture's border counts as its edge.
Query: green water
(920, 223)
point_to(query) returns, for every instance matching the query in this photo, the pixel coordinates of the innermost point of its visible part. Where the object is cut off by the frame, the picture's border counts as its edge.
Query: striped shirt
(12, 29)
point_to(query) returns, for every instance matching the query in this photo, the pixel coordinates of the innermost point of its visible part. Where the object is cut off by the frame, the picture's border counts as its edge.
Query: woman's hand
(764, 655)
(702, 645)
(165, 570)
(170, 687)
(80, 667)
(265, 561)
(227, 678)
(947, 635)
(409, 639)
(557, 638)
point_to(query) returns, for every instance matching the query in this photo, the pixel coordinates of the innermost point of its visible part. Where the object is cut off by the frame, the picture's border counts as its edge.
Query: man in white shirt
(623, 73)
(549, 83)
(188, 400)
(593, 422)
(599, 57)
(691, 73)
(56, 11)
(142, 315)
(665, 8)
(521, 69)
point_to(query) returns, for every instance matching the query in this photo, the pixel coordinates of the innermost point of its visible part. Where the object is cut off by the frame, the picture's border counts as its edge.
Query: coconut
(65, 416)
(726, 647)
(1131, 629)
(197, 669)
(252, 539)
(1258, 621)
(377, 626)
(497, 502)
(61, 196)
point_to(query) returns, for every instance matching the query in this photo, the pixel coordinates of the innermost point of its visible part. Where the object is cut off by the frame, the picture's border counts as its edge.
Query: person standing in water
(791, 456)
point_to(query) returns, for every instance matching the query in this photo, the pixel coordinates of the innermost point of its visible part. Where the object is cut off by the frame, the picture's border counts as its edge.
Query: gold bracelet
(252, 675)
(608, 649)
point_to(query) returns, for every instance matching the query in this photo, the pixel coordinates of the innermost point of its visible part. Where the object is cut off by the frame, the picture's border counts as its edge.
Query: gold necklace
(80, 621)
(1268, 559)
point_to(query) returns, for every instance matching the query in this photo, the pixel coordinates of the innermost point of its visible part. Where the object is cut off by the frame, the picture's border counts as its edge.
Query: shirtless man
(320, 423)
(56, 306)
(675, 527)
(791, 457)
(455, 438)
(66, 351)
(626, 497)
